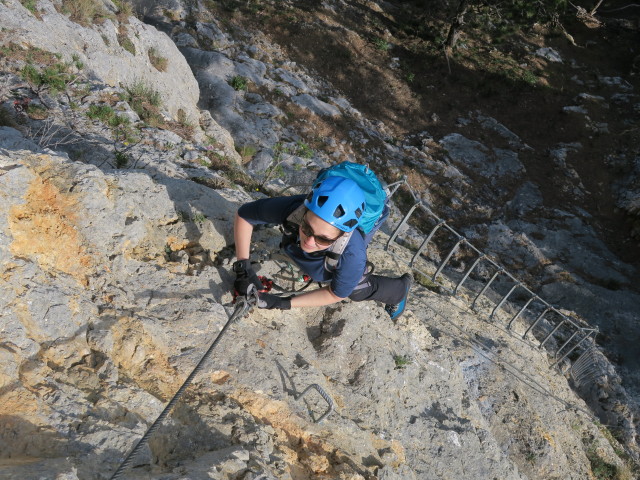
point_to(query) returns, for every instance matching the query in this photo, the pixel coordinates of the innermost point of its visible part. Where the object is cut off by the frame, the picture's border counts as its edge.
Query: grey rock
(618, 82)
(316, 105)
(109, 63)
(494, 165)
(526, 199)
(549, 54)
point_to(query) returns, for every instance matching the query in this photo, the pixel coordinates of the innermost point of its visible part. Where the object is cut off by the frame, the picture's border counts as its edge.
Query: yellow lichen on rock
(140, 358)
(176, 244)
(308, 455)
(44, 228)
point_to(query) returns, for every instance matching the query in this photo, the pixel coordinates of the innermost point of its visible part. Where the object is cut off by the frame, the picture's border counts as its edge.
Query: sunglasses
(320, 240)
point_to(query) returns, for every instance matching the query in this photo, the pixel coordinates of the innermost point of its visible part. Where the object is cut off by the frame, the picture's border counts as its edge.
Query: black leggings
(382, 289)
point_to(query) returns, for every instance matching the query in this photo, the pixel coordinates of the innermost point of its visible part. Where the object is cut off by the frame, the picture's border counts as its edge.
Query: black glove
(268, 301)
(245, 276)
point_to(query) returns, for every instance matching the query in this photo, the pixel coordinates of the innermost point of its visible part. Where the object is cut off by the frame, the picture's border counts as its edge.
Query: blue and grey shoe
(396, 310)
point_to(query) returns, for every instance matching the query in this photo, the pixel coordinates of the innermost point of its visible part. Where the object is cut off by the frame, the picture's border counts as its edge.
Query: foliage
(100, 112)
(126, 43)
(199, 218)
(54, 78)
(304, 150)
(524, 12)
(30, 5)
(122, 159)
(146, 102)
(119, 124)
(230, 170)
(247, 152)
(77, 62)
(37, 112)
(84, 12)
(158, 61)
(401, 361)
(382, 44)
(182, 126)
(239, 83)
(125, 9)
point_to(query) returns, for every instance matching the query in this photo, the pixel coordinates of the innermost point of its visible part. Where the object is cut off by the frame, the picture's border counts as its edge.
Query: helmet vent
(351, 223)
(339, 211)
(358, 212)
(322, 200)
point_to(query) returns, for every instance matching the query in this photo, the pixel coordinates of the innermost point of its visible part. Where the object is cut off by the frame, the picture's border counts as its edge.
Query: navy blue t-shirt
(352, 262)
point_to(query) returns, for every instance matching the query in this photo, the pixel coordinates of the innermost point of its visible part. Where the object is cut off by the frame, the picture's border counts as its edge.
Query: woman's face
(316, 234)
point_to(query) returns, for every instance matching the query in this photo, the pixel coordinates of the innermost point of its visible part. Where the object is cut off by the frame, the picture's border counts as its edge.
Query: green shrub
(30, 5)
(126, 43)
(304, 150)
(159, 62)
(239, 82)
(122, 159)
(246, 152)
(84, 12)
(37, 112)
(100, 112)
(77, 62)
(146, 102)
(401, 361)
(382, 44)
(125, 9)
(55, 78)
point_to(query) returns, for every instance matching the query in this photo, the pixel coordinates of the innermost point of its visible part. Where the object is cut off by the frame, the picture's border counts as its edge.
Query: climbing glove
(245, 276)
(268, 301)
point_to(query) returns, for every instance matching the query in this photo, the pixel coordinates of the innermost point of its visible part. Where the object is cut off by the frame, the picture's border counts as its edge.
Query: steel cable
(243, 306)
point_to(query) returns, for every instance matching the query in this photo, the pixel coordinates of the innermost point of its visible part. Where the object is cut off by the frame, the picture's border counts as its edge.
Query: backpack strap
(297, 215)
(333, 253)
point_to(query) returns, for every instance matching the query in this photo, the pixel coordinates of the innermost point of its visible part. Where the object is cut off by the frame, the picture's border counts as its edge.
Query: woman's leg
(387, 290)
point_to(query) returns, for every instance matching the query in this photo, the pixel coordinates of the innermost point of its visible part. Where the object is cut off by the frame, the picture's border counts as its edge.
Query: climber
(312, 224)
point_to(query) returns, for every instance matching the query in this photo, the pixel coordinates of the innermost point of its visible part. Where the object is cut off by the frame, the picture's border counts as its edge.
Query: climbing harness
(243, 305)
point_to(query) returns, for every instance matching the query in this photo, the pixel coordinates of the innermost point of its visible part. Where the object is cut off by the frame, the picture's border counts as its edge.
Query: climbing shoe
(396, 310)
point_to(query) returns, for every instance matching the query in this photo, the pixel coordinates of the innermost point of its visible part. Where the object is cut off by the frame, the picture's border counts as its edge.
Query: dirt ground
(353, 48)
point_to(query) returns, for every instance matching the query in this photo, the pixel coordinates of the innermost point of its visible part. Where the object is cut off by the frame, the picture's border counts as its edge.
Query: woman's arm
(316, 298)
(242, 232)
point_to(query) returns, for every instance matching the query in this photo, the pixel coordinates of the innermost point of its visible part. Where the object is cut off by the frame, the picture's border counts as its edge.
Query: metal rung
(447, 258)
(504, 299)
(572, 349)
(486, 287)
(540, 317)
(402, 224)
(426, 241)
(468, 272)
(551, 333)
(324, 395)
(517, 315)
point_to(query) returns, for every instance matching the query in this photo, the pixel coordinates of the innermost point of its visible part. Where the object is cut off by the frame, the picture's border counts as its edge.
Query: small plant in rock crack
(122, 159)
(146, 102)
(304, 150)
(199, 218)
(239, 83)
(401, 361)
(55, 78)
(382, 44)
(158, 61)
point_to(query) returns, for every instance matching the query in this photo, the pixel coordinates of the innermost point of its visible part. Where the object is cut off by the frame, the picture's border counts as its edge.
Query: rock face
(114, 260)
(100, 48)
(100, 328)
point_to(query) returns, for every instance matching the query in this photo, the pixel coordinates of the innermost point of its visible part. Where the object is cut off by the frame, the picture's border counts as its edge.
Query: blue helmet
(338, 201)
